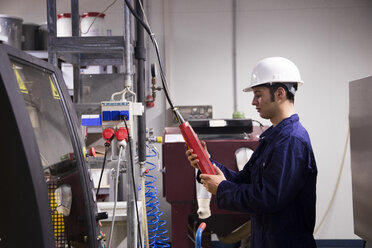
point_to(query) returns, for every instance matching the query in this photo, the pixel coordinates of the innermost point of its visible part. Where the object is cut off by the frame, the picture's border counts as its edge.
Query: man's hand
(193, 157)
(211, 182)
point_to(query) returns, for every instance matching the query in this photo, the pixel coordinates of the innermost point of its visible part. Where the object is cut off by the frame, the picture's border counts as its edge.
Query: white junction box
(115, 112)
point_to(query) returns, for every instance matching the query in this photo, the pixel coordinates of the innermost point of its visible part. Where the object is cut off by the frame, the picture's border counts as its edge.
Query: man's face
(262, 100)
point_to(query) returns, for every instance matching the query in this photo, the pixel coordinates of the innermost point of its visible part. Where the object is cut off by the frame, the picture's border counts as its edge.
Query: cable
(259, 123)
(96, 17)
(152, 37)
(337, 183)
(115, 196)
(103, 168)
(144, 15)
(134, 186)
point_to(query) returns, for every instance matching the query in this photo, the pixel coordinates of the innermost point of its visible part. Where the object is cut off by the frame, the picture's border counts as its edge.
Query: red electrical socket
(194, 143)
(122, 134)
(108, 135)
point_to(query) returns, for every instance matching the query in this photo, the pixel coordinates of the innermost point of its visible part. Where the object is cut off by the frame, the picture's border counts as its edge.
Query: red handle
(194, 143)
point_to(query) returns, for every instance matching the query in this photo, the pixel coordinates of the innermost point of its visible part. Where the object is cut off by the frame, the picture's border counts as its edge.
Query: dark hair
(275, 86)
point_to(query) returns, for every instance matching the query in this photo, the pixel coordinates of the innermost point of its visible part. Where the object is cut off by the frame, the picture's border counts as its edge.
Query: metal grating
(57, 218)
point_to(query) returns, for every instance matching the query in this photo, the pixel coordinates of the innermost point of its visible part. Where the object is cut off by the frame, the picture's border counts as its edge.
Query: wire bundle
(157, 234)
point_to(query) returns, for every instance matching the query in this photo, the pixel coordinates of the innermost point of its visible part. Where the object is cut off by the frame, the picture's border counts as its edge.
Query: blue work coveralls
(277, 187)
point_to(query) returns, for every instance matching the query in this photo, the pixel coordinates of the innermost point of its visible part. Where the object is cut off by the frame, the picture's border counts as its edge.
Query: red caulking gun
(188, 133)
(194, 143)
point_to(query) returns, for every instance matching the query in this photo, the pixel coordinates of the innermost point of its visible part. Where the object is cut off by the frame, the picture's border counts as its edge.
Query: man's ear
(281, 92)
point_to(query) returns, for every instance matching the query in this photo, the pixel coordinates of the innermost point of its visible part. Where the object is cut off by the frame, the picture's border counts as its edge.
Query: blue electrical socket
(124, 114)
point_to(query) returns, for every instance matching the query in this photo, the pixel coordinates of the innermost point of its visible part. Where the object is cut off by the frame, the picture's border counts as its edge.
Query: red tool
(188, 133)
(194, 143)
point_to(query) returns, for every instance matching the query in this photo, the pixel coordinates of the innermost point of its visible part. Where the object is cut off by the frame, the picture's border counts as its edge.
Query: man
(277, 186)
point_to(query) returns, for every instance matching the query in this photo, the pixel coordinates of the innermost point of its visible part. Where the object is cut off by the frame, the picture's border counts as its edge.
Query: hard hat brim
(250, 88)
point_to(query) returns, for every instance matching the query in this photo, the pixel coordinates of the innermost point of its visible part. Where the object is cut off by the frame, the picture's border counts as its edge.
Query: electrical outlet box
(113, 113)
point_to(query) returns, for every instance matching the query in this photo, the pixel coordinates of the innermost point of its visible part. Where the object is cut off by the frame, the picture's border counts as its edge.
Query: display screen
(51, 128)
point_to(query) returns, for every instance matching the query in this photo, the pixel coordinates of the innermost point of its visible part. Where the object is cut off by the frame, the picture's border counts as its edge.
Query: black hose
(259, 123)
(147, 28)
(140, 55)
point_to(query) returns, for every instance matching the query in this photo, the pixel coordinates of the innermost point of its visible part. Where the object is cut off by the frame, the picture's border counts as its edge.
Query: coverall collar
(271, 131)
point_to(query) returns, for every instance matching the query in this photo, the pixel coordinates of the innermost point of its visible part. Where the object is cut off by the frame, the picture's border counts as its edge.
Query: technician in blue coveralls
(277, 186)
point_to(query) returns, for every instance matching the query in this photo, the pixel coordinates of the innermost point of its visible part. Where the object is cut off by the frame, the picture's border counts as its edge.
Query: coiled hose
(157, 234)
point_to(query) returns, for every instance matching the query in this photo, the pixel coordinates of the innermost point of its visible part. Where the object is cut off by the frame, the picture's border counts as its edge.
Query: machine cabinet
(180, 186)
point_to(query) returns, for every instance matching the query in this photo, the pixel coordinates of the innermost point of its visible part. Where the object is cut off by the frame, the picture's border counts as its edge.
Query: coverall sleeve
(277, 180)
(232, 176)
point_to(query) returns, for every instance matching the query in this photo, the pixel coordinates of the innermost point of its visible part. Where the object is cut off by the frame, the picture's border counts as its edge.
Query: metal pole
(75, 20)
(52, 30)
(234, 56)
(131, 208)
(140, 55)
(128, 82)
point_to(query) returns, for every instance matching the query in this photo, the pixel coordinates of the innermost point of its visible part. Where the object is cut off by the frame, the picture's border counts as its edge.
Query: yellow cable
(337, 183)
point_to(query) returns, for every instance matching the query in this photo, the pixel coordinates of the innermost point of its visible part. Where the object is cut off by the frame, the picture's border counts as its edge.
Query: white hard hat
(274, 70)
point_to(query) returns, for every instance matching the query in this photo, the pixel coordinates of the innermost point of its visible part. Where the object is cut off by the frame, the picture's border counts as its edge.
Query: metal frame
(25, 160)
(111, 50)
(80, 51)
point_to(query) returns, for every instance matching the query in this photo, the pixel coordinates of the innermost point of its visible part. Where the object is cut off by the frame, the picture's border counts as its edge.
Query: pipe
(198, 237)
(140, 55)
(148, 52)
(234, 56)
(52, 31)
(131, 199)
(75, 23)
(75, 18)
(128, 82)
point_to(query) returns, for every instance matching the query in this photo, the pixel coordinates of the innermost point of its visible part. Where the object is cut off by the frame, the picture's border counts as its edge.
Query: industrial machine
(47, 191)
(180, 177)
(49, 196)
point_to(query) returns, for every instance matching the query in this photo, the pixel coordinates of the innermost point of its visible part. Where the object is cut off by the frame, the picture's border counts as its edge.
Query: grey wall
(329, 40)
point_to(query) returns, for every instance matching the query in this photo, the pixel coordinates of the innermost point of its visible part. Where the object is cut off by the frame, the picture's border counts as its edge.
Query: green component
(238, 115)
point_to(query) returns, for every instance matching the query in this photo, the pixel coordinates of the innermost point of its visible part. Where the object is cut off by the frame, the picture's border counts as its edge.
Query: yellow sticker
(54, 89)
(21, 84)
(85, 153)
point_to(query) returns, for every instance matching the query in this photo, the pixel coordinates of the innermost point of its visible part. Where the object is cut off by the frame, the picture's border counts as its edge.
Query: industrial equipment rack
(110, 50)
(80, 51)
